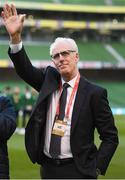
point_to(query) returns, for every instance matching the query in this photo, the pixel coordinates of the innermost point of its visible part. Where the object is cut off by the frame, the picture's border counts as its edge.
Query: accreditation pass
(59, 128)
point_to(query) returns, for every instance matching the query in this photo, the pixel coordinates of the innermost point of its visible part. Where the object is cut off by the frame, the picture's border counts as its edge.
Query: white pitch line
(114, 53)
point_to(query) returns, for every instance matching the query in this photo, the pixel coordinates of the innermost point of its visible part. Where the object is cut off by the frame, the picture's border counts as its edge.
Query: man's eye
(56, 55)
(65, 53)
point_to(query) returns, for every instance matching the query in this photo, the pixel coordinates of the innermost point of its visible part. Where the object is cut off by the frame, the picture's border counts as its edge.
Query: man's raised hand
(13, 22)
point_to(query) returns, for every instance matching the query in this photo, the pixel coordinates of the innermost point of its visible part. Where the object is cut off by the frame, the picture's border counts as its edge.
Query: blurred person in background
(34, 96)
(17, 103)
(60, 132)
(27, 105)
(8, 92)
(7, 127)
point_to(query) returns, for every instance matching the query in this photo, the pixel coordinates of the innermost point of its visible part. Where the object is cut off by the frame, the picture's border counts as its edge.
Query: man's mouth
(62, 66)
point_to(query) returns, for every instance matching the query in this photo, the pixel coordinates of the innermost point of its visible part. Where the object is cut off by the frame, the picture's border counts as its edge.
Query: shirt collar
(71, 82)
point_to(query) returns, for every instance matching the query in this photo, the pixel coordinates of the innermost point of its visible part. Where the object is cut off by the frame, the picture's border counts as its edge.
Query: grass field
(116, 92)
(20, 165)
(22, 168)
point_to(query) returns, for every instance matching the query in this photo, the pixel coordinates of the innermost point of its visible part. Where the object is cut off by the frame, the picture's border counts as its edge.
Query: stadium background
(98, 26)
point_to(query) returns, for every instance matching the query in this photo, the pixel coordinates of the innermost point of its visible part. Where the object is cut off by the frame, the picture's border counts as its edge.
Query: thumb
(22, 17)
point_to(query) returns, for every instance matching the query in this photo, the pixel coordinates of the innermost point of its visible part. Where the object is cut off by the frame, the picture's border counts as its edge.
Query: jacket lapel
(80, 98)
(51, 84)
(47, 89)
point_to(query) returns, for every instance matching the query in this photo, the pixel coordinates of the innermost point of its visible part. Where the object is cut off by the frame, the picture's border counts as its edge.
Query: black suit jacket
(91, 110)
(7, 127)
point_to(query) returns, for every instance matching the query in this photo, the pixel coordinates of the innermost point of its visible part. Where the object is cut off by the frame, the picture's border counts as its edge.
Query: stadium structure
(97, 26)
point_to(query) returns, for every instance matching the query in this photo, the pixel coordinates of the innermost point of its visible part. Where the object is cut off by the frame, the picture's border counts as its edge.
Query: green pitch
(22, 168)
(20, 165)
(116, 168)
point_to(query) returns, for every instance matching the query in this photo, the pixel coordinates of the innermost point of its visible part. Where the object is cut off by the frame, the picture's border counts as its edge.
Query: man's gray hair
(70, 41)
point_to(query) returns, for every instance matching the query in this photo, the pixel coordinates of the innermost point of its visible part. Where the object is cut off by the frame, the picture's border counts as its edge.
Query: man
(27, 105)
(60, 132)
(16, 100)
(7, 127)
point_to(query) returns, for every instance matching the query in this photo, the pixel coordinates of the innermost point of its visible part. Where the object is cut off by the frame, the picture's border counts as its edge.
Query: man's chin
(64, 74)
(63, 71)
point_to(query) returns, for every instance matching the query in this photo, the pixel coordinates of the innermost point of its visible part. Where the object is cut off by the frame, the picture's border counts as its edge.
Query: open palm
(13, 22)
(14, 25)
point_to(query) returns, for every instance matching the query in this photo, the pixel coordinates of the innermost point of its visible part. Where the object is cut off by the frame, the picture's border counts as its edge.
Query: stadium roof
(68, 7)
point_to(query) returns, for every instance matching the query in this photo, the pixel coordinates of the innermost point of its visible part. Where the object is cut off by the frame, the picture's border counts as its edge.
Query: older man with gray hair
(60, 132)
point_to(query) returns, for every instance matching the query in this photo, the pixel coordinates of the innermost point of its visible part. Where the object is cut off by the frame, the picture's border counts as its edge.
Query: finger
(22, 17)
(9, 10)
(5, 11)
(14, 11)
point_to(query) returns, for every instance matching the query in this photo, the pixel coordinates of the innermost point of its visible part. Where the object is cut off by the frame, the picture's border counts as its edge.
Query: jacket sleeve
(7, 118)
(30, 74)
(108, 134)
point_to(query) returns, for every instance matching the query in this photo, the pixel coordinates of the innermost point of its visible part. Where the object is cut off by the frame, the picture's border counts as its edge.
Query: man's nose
(61, 56)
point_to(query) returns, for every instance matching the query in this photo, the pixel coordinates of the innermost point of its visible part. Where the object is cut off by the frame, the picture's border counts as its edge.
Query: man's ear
(77, 57)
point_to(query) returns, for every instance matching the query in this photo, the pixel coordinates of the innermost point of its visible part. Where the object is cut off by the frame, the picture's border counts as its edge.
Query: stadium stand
(41, 52)
(89, 21)
(84, 2)
(97, 26)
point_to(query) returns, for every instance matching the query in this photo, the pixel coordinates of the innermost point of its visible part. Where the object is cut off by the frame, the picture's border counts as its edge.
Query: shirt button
(58, 162)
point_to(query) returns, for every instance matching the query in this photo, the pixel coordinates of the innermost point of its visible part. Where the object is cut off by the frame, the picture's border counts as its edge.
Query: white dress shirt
(52, 105)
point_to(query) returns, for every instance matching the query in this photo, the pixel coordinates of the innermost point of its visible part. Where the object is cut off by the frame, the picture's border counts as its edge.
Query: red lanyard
(70, 99)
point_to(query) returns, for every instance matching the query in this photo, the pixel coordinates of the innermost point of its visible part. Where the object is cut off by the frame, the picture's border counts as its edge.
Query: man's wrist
(15, 39)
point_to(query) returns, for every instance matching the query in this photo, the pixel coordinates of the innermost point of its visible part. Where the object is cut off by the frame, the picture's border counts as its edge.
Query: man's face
(65, 59)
